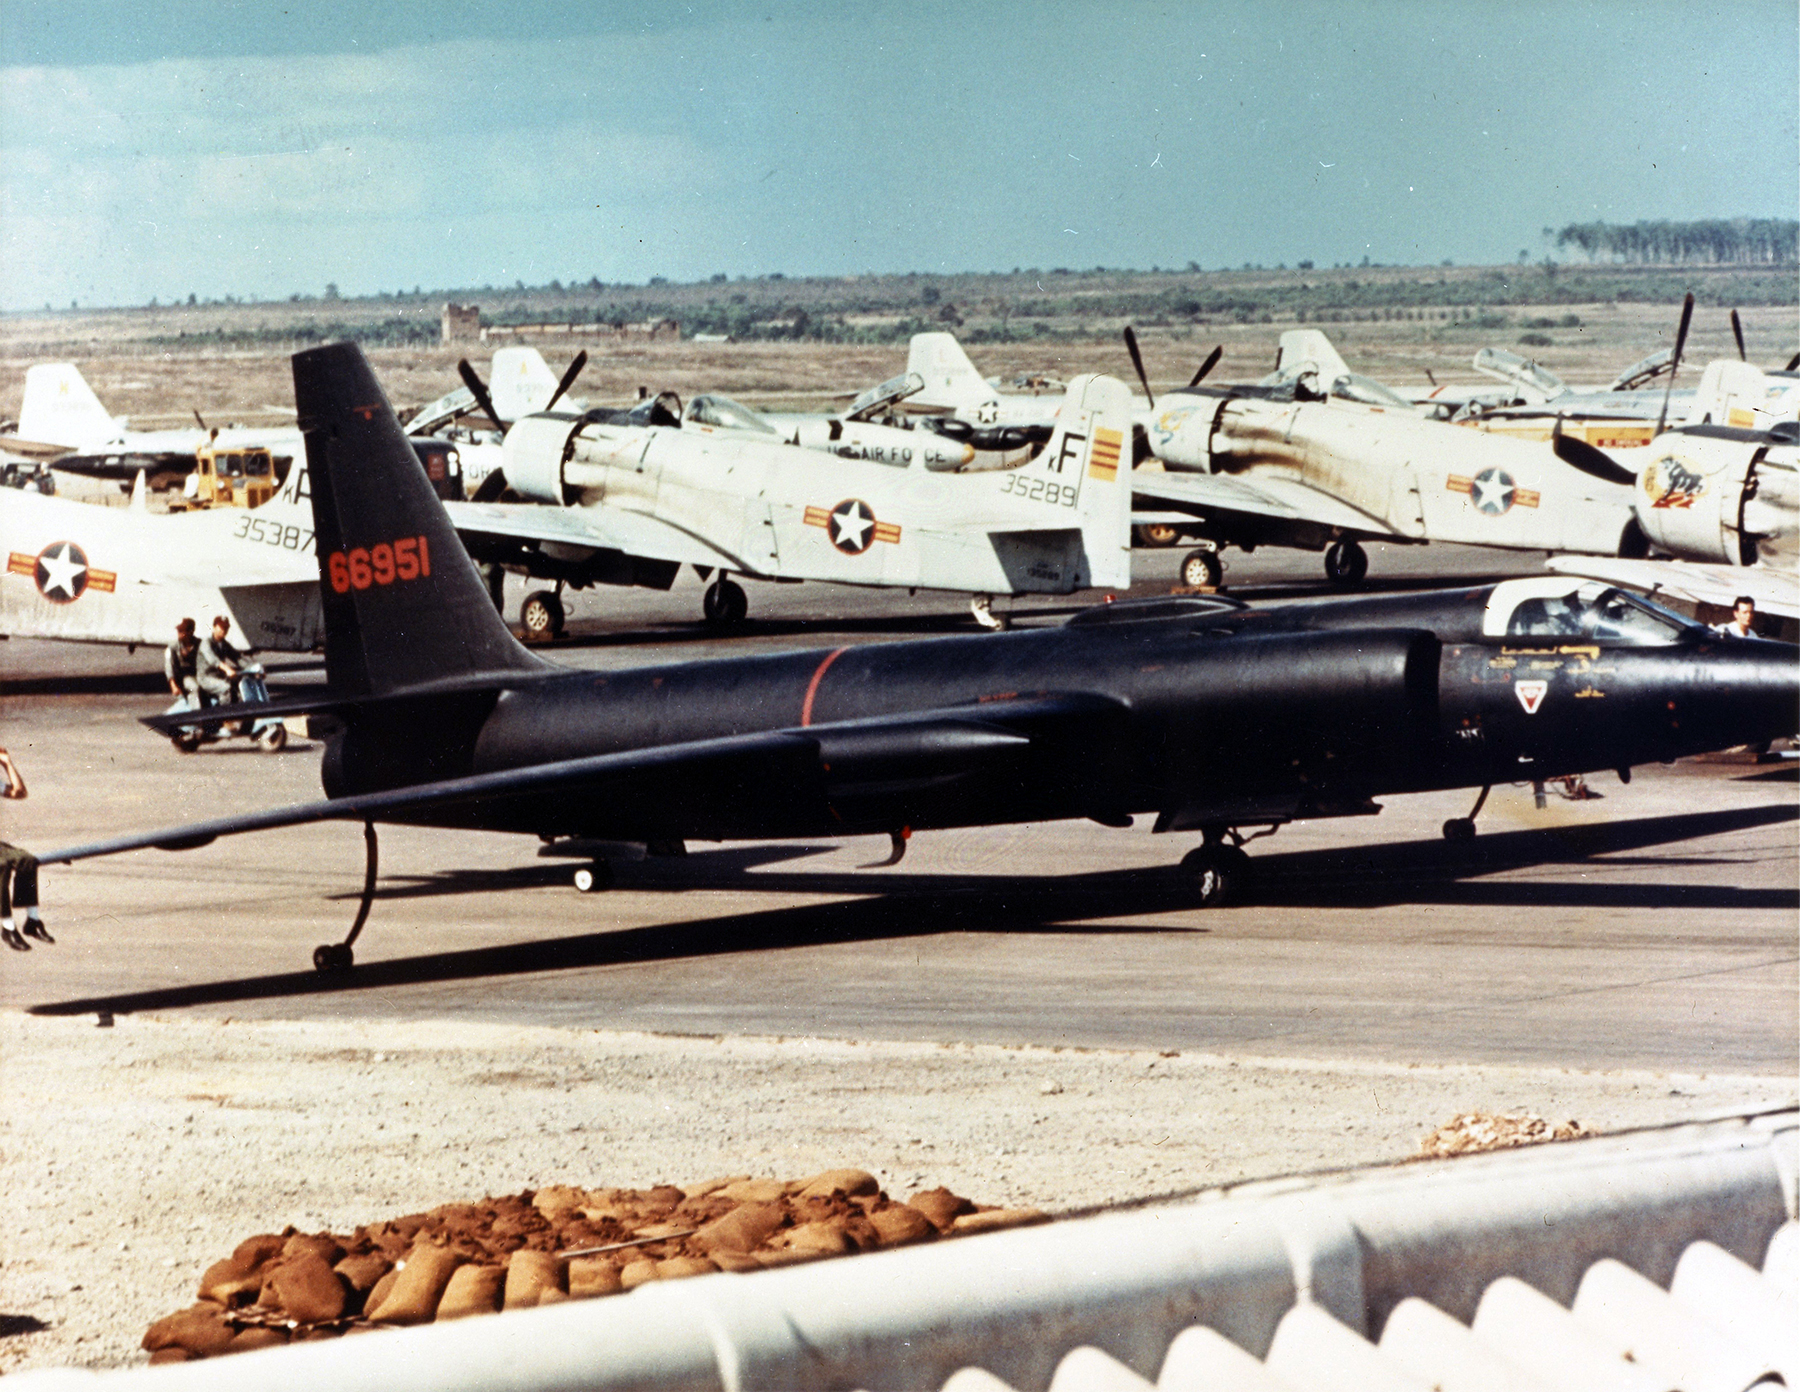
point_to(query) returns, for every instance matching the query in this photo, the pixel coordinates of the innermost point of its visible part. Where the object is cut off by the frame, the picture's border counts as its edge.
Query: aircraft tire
(541, 616)
(590, 879)
(333, 958)
(1346, 563)
(1459, 829)
(725, 604)
(1158, 534)
(1200, 569)
(1218, 873)
(273, 740)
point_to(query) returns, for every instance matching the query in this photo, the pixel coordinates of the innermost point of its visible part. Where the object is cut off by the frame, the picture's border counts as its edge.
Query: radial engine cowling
(537, 447)
(1722, 497)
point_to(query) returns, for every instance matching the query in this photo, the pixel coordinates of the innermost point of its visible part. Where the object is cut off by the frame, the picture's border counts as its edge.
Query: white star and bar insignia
(852, 526)
(61, 572)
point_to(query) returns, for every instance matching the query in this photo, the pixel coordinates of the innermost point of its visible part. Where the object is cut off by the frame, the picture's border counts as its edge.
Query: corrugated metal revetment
(1653, 1260)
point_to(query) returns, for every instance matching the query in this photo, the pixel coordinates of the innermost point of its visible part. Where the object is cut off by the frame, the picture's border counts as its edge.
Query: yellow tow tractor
(238, 476)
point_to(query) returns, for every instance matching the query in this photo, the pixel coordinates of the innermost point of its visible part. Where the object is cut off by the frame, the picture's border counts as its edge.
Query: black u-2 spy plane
(1211, 715)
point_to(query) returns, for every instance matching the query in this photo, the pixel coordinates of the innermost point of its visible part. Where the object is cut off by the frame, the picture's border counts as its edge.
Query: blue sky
(259, 149)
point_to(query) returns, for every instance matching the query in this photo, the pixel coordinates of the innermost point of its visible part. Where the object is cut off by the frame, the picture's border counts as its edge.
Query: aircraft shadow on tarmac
(901, 905)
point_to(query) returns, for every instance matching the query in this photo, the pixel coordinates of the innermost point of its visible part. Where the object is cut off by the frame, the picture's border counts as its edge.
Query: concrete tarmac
(1652, 926)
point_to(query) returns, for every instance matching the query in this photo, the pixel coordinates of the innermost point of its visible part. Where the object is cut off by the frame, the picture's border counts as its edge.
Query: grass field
(229, 361)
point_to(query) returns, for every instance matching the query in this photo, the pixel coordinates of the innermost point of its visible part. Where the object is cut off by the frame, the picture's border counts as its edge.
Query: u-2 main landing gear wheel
(541, 616)
(725, 604)
(590, 879)
(1346, 563)
(1219, 872)
(1202, 569)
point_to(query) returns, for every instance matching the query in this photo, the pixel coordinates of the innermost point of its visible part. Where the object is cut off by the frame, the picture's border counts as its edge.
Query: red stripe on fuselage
(812, 687)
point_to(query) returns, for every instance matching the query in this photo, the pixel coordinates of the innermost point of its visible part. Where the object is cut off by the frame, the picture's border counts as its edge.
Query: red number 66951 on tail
(380, 564)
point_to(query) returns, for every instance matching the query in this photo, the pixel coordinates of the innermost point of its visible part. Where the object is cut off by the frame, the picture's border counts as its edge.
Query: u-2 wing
(1284, 500)
(926, 746)
(596, 529)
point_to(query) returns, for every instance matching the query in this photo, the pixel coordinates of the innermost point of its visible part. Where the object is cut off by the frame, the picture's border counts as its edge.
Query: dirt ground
(158, 386)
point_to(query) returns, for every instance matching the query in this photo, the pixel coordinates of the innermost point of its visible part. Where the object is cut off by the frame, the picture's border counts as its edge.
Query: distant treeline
(984, 308)
(1710, 242)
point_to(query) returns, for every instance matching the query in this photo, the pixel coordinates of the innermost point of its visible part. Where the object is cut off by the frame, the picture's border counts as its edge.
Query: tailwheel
(1346, 563)
(725, 604)
(592, 878)
(1219, 873)
(333, 958)
(1202, 570)
(541, 616)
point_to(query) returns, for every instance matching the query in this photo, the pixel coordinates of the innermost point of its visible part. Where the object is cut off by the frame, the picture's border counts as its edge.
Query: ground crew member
(181, 660)
(18, 874)
(219, 663)
(1743, 620)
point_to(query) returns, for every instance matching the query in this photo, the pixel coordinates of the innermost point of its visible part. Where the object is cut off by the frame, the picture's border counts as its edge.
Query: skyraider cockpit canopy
(1302, 383)
(722, 411)
(1556, 608)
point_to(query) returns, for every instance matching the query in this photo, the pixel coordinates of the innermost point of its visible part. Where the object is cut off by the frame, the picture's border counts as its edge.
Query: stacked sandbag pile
(538, 1248)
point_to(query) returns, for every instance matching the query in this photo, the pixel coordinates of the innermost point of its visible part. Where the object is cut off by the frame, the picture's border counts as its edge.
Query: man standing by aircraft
(18, 872)
(1743, 620)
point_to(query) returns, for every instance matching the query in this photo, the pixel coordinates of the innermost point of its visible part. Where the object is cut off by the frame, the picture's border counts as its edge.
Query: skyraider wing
(1287, 500)
(595, 529)
(927, 746)
(1775, 591)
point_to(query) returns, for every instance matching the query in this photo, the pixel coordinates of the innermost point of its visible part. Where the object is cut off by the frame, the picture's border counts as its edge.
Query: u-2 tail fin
(403, 604)
(60, 408)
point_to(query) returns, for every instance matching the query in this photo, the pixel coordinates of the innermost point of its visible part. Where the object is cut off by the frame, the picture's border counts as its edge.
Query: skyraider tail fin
(61, 408)
(522, 382)
(951, 380)
(1075, 494)
(403, 604)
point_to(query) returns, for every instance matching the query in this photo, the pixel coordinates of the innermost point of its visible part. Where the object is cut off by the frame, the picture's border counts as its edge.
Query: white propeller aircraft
(1720, 493)
(627, 498)
(92, 574)
(1317, 458)
(62, 421)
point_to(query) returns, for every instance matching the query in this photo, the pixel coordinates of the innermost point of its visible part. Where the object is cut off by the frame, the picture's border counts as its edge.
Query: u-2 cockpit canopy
(1561, 608)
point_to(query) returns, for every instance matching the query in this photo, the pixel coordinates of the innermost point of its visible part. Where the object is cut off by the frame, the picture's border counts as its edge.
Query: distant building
(462, 323)
(651, 329)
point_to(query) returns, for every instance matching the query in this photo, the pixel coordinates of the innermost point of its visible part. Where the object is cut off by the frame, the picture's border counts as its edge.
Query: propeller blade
(1687, 317)
(1737, 332)
(1793, 363)
(480, 392)
(1137, 361)
(201, 419)
(1212, 361)
(1590, 459)
(568, 379)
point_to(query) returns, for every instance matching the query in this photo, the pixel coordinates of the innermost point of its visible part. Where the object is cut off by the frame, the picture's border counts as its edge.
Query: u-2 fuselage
(1210, 715)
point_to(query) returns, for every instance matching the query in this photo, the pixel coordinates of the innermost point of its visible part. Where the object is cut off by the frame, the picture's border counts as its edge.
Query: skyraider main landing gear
(334, 958)
(725, 604)
(541, 615)
(1202, 570)
(1346, 563)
